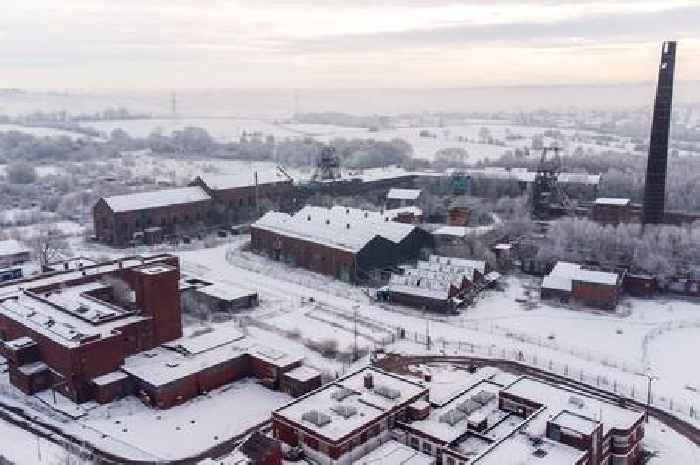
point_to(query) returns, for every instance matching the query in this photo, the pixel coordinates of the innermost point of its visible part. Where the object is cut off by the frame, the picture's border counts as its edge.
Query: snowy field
(617, 346)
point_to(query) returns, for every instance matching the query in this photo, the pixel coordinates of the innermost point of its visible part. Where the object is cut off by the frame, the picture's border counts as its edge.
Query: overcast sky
(153, 44)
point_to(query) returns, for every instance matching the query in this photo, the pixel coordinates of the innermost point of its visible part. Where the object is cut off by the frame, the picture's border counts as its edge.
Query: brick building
(572, 282)
(486, 418)
(240, 198)
(210, 200)
(121, 219)
(345, 419)
(343, 242)
(113, 329)
(612, 211)
(68, 329)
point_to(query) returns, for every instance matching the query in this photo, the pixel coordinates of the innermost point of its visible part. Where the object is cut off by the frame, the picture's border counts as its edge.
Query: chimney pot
(369, 381)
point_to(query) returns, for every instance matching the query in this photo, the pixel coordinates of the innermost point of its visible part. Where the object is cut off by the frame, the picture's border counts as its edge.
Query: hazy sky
(154, 44)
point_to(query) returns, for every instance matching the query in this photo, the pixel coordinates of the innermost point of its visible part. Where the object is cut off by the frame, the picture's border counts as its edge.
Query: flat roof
(110, 378)
(363, 405)
(60, 326)
(403, 194)
(518, 449)
(303, 373)
(156, 199)
(228, 292)
(167, 364)
(620, 202)
(455, 418)
(394, 453)
(575, 422)
(557, 399)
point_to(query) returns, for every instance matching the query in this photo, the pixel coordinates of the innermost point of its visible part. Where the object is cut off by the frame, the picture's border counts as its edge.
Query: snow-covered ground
(612, 348)
(24, 448)
(606, 348)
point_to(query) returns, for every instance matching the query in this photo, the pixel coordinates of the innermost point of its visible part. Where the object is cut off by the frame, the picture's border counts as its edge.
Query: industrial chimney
(655, 186)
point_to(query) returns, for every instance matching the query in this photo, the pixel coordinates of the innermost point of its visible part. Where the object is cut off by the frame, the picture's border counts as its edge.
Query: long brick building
(210, 200)
(347, 243)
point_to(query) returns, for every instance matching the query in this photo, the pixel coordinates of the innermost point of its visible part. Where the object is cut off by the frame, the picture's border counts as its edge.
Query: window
(450, 461)
(415, 443)
(427, 448)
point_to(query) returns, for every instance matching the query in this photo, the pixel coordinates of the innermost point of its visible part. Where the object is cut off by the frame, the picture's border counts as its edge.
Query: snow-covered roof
(389, 392)
(339, 227)
(156, 199)
(19, 343)
(564, 274)
(161, 366)
(110, 378)
(59, 325)
(479, 265)
(575, 422)
(403, 194)
(394, 453)
(522, 175)
(395, 212)
(612, 201)
(12, 247)
(559, 399)
(203, 341)
(227, 292)
(450, 421)
(238, 180)
(303, 373)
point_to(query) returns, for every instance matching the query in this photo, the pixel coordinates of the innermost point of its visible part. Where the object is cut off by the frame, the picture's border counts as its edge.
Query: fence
(603, 381)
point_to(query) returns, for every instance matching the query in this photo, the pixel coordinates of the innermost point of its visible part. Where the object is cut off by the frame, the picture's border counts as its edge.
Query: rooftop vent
(366, 214)
(341, 394)
(483, 397)
(328, 221)
(452, 417)
(347, 226)
(345, 411)
(308, 217)
(539, 453)
(468, 407)
(317, 418)
(347, 211)
(387, 392)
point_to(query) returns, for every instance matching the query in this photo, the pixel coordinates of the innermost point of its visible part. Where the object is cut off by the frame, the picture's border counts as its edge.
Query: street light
(650, 377)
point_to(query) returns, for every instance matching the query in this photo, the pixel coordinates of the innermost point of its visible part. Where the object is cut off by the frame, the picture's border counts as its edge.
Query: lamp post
(650, 378)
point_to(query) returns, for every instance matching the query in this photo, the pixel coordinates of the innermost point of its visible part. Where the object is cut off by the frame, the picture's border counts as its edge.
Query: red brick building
(612, 211)
(210, 200)
(70, 328)
(343, 242)
(570, 282)
(486, 418)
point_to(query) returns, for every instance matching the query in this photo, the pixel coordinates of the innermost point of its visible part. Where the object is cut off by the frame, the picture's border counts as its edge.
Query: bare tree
(49, 245)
